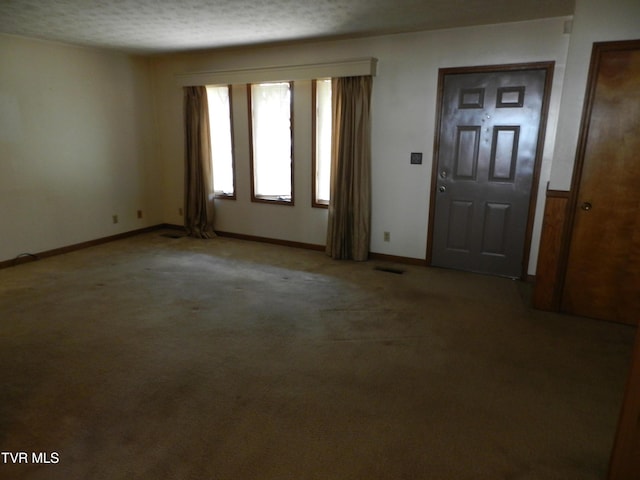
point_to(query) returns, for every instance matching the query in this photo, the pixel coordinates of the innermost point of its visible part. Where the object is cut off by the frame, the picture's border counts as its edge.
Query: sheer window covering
(219, 102)
(271, 134)
(322, 143)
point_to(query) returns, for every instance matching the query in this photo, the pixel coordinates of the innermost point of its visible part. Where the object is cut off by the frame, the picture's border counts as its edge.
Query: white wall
(403, 110)
(76, 144)
(595, 21)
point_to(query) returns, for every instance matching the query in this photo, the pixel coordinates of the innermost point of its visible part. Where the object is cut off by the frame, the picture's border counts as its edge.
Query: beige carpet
(162, 358)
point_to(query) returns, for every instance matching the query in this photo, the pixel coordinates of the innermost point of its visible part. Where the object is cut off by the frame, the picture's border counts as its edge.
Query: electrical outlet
(387, 236)
(139, 213)
(115, 219)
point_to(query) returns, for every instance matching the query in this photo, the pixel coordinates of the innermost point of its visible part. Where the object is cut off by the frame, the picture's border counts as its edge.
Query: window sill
(224, 196)
(279, 200)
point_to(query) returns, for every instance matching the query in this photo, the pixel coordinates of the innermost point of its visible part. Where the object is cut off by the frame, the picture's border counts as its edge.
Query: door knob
(442, 188)
(586, 206)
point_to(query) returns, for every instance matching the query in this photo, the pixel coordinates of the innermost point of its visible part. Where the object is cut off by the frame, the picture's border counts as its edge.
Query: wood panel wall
(625, 458)
(548, 289)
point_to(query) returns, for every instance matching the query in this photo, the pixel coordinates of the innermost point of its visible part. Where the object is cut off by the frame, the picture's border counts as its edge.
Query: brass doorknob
(586, 206)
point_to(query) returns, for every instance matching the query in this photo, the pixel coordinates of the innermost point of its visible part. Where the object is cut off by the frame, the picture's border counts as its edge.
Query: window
(271, 133)
(219, 100)
(321, 142)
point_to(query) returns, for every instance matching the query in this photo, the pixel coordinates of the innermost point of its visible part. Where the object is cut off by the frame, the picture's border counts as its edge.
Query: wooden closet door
(603, 267)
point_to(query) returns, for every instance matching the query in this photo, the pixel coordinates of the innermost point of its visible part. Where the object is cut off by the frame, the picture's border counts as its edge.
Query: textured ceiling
(157, 26)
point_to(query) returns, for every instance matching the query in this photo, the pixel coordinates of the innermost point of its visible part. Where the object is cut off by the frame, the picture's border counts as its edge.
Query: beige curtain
(198, 189)
(348, 231)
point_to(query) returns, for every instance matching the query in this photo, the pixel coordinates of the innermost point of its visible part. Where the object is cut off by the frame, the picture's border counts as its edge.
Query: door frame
(546, 96)
(597, 50)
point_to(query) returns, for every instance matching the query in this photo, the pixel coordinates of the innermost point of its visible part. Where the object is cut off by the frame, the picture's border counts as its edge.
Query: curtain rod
(344, 68)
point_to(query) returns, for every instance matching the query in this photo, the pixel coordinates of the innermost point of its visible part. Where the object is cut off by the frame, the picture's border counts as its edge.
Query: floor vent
(397, 271)
(173, 235)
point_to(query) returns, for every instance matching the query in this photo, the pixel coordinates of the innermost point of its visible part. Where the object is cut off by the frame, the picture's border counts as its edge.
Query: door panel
(466, 154)
(496, 221)
(490, 124)
(504, 154)
(459, 234)
(602, 278)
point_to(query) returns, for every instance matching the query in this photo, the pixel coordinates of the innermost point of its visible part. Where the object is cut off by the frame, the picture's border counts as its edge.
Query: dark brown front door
(603, 268)
(490, 126)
